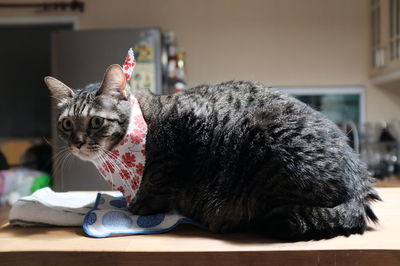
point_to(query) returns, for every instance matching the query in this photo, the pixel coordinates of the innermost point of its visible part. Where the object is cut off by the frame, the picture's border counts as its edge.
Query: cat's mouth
(86, 154)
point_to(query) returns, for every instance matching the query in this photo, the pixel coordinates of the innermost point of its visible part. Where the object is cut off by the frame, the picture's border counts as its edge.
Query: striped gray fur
(240, 156)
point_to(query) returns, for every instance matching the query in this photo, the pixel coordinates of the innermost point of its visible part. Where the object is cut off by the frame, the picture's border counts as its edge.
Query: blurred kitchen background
(340, 56)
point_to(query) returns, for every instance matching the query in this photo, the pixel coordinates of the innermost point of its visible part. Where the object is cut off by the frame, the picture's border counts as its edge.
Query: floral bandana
(129, 64)
(123, 166)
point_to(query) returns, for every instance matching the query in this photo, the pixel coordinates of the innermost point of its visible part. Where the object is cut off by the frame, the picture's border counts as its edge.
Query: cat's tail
(306, 223)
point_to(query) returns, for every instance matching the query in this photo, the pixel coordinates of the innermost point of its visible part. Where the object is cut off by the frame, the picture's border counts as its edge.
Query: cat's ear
(59, 90)
(114, 83)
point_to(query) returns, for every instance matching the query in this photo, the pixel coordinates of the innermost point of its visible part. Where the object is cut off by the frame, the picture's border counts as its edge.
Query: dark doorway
(25, 106)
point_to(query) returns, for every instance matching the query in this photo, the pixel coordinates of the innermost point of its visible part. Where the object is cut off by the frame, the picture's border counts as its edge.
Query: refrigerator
(81, 57)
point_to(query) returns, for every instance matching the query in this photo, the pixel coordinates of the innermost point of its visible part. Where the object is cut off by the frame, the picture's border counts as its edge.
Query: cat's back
(240, 117)
(239, 95)
(230, 102)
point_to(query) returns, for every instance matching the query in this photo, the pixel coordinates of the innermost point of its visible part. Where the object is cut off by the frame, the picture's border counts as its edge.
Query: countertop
(188, 245)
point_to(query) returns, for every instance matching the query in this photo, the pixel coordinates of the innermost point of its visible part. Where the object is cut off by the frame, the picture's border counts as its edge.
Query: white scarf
(123, 166)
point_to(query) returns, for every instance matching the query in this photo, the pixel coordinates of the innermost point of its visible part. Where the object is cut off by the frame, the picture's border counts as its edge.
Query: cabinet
(385, 42)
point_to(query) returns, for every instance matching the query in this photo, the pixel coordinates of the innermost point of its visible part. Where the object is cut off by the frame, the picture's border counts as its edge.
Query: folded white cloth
(48, 208)
(100, 214)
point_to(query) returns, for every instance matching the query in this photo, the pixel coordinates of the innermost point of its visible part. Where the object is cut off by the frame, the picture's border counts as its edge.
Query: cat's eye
(67, 124)
(96, 122)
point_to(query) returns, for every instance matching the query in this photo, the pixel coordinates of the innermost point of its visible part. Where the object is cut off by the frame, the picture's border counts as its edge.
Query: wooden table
(393, 181)
(188, 245)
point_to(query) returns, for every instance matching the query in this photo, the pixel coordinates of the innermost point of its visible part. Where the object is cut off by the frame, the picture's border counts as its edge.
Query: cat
(233, 156)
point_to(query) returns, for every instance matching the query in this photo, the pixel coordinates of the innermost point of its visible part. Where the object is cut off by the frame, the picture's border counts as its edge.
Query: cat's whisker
(108, 174)
(60, 151)
(114, 184)
(58, 158)
(63, 151)
(108, 170)
(117, 163)
(70, 160)
(47, 141)
(61, 166)
(126, 182)
(67, 157)
(120, 166)
(56, 98)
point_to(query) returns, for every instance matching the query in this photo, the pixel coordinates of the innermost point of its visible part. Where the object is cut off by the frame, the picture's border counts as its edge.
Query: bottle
(180, 73)
(175, 72)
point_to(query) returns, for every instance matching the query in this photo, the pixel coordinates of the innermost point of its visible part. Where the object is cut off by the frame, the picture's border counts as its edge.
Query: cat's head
(94, 119)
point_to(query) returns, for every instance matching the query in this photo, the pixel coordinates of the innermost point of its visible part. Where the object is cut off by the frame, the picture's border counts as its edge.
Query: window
(394, 32)
(341, 105)
(378, 57)
(344, 105)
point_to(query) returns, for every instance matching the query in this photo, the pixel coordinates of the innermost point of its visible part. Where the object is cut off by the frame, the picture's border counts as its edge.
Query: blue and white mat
(110, 216)
(100, 214)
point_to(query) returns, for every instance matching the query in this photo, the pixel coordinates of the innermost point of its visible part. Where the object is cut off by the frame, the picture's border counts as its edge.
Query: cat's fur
(236, 155)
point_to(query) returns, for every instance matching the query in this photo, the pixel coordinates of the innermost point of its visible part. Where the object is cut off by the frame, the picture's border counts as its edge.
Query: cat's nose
(77, 140)
(79, 144)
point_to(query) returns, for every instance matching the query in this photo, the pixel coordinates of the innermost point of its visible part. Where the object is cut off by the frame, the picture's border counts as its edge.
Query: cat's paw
(222, 226)
(140, 208)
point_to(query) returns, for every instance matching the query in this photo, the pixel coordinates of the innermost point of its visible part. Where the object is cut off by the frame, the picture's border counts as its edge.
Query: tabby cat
(232, 156)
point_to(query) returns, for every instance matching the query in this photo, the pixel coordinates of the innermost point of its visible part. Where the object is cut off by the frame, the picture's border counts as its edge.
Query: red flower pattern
(109, 167)
(133, 102)
(114, 154)
(139, 133)
(143, 150)
(125, 174)
(129, 64)
(121, 189)
(135, 182)
(124, 140)
(139, 122)
(135, 139)
(102, 171)
(139, 168)
(128, 199)
(129, 159)
(109, 182)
